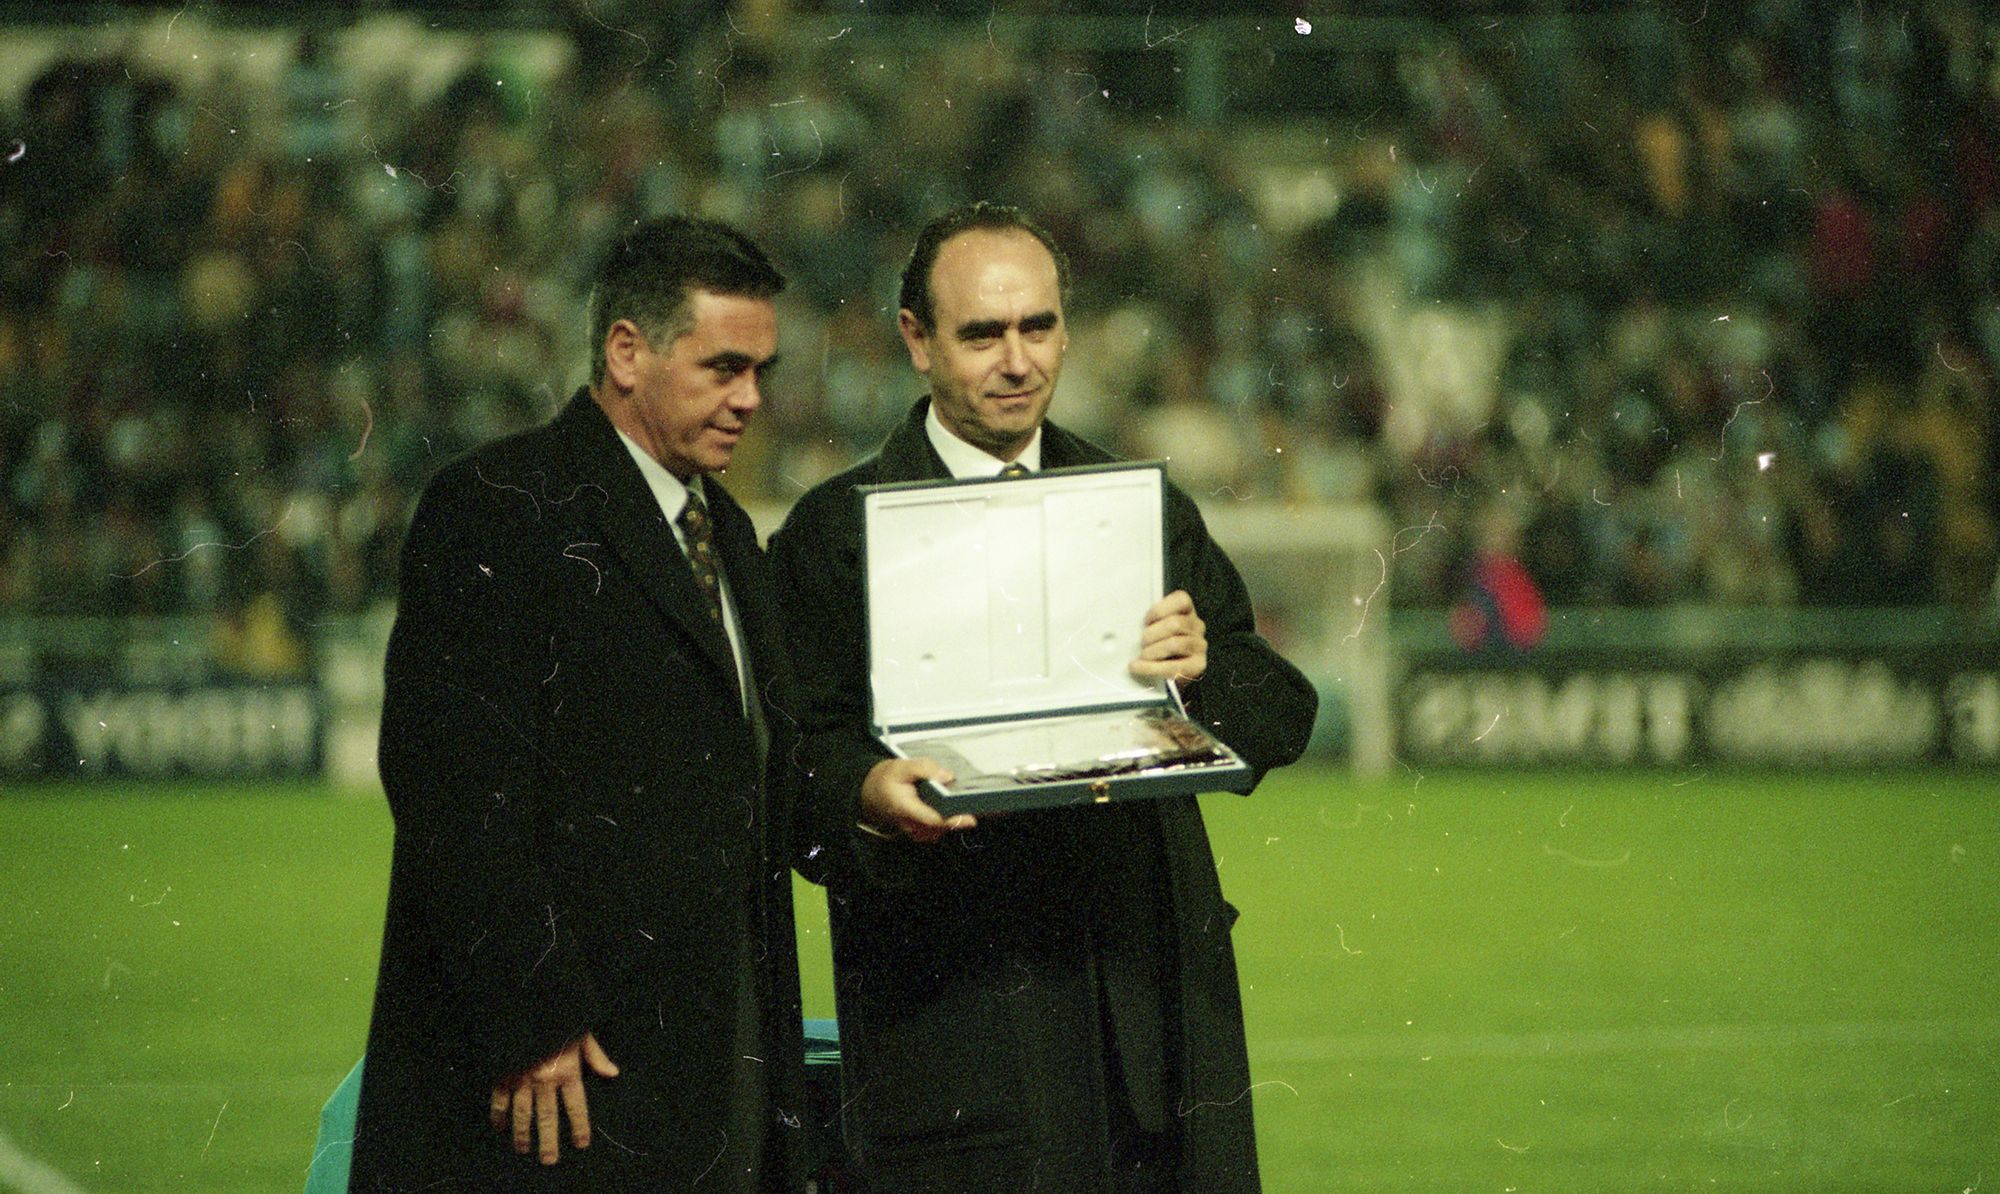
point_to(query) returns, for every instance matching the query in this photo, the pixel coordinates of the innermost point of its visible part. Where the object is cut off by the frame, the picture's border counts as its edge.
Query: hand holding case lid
(1003, 616)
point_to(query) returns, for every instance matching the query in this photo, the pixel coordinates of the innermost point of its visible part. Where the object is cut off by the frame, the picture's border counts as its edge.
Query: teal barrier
(333, 1151)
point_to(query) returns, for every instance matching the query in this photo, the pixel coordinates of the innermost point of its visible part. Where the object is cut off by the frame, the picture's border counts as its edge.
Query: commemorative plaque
(1002, 617)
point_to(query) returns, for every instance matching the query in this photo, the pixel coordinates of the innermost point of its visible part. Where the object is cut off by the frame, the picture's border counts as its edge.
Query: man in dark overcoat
(1045, 1000)
(589, 977)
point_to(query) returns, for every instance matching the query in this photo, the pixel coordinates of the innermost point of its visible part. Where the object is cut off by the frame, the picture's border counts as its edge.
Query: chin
(1001, 439)
(1015, 422)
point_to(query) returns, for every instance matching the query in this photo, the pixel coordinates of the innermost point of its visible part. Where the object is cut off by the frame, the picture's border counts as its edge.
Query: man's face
(997, 347)
(692, 400)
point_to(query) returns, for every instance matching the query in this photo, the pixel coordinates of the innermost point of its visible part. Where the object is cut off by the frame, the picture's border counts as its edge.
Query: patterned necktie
(1014, 469)
(700, 535)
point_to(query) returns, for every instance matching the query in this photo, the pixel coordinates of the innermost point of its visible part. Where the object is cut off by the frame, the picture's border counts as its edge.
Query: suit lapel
(742, 564)
(632, 525)
(1059, 448)
(907, 454)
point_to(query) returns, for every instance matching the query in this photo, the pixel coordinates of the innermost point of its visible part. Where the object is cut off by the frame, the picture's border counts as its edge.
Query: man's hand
(533, 1095)
(890, 804)
(1174, 645)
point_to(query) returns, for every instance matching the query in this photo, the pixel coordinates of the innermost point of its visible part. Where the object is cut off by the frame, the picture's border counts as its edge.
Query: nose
(1015, 362)
(748, 396)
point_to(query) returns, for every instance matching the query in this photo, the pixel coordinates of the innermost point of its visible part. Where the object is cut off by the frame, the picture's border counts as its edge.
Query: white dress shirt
(966, 461)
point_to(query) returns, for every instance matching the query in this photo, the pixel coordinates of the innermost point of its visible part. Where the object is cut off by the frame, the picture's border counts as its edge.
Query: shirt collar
(668, 490)
(964, 461)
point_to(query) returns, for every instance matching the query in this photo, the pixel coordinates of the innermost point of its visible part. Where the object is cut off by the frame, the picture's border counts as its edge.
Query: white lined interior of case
(1011, 598)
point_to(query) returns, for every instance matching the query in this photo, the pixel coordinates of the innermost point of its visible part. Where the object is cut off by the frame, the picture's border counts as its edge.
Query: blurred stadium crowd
(1698, 309)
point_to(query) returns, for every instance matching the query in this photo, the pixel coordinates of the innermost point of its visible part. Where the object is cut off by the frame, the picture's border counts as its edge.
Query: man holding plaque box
(1042, 999)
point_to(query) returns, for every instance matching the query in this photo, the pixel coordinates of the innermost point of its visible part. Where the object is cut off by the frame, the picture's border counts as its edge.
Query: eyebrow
(729, 358)
(986, 329)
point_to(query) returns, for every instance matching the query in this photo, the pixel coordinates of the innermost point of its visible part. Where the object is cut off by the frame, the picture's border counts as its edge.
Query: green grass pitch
(1455, 981)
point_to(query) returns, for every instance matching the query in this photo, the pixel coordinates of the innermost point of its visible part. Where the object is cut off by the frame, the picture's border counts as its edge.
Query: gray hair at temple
(649, 275)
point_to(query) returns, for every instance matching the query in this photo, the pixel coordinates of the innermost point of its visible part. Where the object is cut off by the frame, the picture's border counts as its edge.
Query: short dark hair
(650, 273)
(980, 215)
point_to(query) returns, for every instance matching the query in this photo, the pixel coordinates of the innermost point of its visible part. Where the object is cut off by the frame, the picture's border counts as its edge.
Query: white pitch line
(19, 1171)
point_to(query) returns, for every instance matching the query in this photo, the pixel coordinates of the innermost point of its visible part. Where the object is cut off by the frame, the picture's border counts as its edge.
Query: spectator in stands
(183, 242)
(1502, 609)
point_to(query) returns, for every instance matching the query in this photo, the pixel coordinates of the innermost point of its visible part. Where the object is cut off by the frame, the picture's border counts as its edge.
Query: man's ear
(623, 342)
(915, 339)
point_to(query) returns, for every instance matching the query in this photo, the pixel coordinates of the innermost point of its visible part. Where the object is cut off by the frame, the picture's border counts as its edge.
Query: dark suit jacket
(584, 833)
(968, 974)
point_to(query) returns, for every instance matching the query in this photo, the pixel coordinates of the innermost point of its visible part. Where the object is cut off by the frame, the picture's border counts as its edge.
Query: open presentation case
(1002, 618)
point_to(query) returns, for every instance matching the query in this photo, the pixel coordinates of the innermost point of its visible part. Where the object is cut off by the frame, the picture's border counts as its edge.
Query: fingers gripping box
(1003, 616)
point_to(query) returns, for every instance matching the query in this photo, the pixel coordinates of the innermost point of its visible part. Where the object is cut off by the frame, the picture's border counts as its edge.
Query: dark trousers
(1143, 1161)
